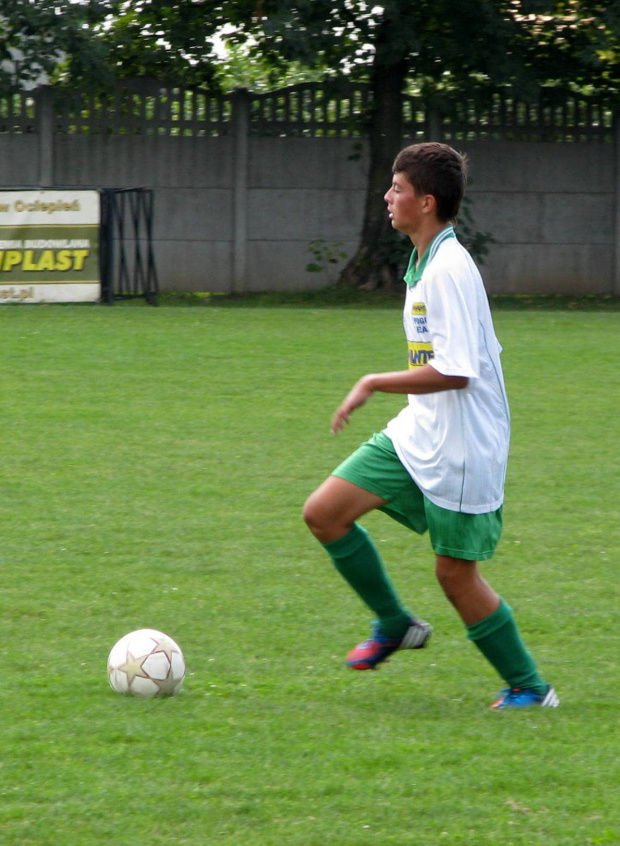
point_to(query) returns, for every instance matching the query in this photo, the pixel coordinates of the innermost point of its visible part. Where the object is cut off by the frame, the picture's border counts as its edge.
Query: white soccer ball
(146, 663)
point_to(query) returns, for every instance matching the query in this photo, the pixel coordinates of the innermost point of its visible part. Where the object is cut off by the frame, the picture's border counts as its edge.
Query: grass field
(155, 462)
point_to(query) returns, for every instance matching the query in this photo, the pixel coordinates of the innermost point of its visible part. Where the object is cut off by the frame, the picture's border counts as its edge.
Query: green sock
(498, 638)
(357, 560)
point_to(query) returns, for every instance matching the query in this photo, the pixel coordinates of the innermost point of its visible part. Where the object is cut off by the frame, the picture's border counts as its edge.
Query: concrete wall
(192, 181)
(552, 211)
(238, 212)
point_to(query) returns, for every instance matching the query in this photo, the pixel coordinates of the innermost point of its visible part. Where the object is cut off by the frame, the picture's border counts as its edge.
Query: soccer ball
(146, 663)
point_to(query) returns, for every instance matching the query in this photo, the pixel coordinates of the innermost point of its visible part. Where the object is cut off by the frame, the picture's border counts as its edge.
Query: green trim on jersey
(414, 274)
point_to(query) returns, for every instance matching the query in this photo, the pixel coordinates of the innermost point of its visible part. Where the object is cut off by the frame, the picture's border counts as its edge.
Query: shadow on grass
(336, 297)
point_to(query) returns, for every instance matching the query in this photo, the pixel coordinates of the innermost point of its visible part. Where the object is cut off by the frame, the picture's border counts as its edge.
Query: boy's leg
(333, 508)
(330, 513)
(490, 623)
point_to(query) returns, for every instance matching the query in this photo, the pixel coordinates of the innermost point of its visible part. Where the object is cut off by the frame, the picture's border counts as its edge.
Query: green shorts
(376, 467)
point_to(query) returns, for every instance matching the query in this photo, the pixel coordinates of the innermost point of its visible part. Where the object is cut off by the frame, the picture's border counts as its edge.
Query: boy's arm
(420, 380)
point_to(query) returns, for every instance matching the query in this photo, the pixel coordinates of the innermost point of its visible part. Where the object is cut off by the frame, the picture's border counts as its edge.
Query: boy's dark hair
(436, 169)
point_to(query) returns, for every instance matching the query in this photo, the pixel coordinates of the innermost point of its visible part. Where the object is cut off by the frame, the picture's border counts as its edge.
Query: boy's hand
(360, 392)
(419, 380)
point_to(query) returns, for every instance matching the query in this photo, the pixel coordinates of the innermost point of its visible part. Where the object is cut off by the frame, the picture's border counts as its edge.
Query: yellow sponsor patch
(418, 308)
(419, 354)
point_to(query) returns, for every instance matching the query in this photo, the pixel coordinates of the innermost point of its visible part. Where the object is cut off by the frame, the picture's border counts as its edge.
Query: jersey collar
(414, 274)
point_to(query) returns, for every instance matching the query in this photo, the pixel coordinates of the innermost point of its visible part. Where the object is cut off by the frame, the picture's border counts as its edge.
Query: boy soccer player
(440, 464)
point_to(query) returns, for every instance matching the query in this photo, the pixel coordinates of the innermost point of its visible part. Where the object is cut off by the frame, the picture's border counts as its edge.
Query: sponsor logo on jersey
(419, 353)
(418, 308)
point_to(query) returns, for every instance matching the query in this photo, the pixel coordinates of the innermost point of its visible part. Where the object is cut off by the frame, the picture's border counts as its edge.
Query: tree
(163, 39)
(44, 41)
(472, 45)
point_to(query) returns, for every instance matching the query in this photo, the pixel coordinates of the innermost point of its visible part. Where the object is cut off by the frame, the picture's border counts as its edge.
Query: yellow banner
(49, 246)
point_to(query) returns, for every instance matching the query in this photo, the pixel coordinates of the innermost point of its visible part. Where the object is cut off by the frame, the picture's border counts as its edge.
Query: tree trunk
(370, 268)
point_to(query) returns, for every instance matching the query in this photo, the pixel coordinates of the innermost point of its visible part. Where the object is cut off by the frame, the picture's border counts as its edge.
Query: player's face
(405, 206)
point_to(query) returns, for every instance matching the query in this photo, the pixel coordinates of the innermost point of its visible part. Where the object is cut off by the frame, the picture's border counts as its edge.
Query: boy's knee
(314, 514)
(331, 511)
(323, 520)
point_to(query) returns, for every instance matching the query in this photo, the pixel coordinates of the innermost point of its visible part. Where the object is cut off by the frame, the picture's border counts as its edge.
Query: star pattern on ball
(133, 667)
(163, 645)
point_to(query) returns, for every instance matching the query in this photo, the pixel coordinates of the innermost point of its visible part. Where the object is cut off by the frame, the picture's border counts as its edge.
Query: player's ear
(429, 205)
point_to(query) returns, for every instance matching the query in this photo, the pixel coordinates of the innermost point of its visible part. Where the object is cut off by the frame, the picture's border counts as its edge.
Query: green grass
(336, 296)
(155, 462)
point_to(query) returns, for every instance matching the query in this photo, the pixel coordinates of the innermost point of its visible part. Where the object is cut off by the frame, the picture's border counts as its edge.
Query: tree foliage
(439, 44)
(46, 41)
(163, 40)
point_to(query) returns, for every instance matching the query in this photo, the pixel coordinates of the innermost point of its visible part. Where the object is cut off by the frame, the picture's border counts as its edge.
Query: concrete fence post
(45, 131)
(241, 132)
(433, 126)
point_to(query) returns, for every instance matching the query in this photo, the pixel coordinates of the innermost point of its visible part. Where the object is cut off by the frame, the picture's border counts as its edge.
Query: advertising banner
(49, 246)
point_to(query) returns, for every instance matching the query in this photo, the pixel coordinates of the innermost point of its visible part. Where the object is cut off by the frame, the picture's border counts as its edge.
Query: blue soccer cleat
(372, 652)
(514, 697)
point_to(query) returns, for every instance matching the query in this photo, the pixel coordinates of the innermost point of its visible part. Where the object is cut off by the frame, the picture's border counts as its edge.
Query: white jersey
(453, 443)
